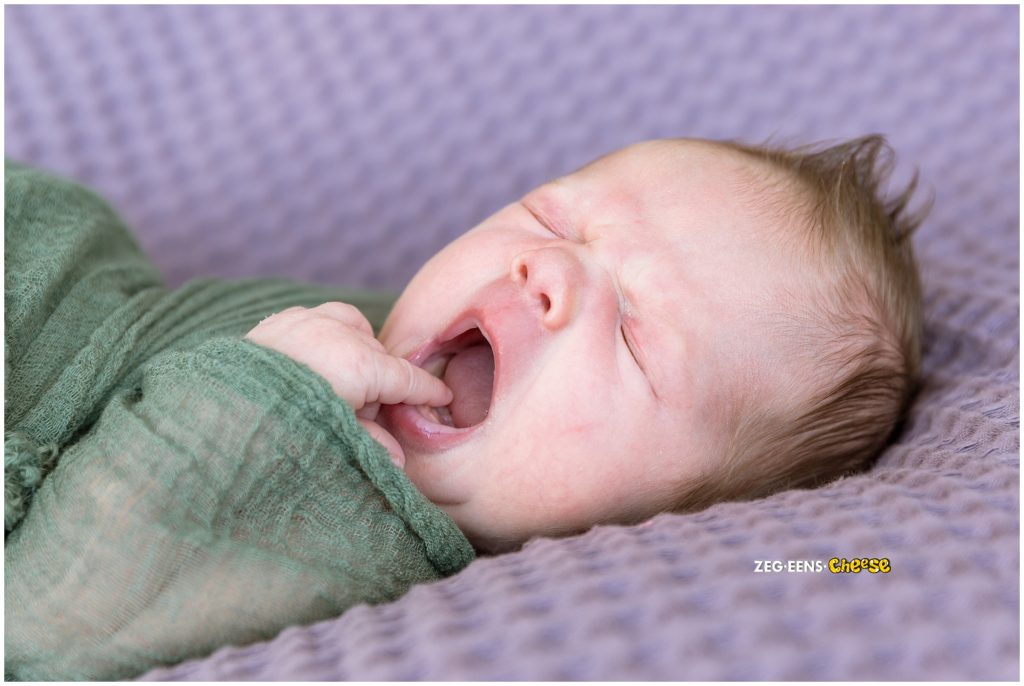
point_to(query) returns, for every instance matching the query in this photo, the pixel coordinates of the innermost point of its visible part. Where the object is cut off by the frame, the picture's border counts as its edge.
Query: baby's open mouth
(466, 365)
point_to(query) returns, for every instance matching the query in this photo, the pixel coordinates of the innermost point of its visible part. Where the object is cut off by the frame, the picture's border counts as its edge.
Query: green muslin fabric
(171, 488)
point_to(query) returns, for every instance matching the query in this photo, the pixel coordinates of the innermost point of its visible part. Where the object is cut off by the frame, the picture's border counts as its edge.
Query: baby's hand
(336, 341)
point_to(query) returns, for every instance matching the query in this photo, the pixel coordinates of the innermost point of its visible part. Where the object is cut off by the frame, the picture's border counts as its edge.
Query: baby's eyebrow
(548, 211)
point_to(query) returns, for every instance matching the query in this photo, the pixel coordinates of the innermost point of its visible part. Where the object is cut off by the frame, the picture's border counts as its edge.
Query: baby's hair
(860, 334)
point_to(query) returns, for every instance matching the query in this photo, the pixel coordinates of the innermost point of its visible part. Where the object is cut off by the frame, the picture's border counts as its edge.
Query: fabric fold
(173, 488)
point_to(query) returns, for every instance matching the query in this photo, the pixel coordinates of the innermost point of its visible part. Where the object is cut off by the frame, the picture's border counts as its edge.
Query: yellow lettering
(873, 565)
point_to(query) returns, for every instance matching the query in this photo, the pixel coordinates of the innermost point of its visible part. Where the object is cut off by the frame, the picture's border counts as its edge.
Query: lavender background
(346, 145)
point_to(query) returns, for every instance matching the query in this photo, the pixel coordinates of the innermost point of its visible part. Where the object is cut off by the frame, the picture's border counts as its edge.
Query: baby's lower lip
(411, 427)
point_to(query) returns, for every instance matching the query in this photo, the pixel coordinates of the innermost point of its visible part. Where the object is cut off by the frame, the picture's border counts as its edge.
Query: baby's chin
(481, 534)
(483, 539)
(434, 476)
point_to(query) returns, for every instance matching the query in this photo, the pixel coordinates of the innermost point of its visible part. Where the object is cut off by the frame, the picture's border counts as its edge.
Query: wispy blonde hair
(861, 332)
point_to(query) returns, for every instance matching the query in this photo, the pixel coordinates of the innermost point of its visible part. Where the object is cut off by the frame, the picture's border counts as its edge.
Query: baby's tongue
(470, 375)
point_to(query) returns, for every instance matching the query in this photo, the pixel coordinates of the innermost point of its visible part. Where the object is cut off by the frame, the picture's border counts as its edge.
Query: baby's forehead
(659, 173)
(718, 156)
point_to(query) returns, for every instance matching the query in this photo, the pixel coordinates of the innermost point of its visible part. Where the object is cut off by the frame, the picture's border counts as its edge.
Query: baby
(677, 323)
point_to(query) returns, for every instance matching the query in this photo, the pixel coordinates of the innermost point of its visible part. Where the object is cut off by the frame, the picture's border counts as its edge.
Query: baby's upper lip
(500, 311)
(469, 319)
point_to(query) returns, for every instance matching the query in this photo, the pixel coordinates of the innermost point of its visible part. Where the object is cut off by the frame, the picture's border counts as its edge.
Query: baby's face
(600, 326)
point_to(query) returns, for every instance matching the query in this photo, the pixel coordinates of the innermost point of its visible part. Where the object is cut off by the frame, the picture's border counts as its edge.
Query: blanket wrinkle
(25, 465)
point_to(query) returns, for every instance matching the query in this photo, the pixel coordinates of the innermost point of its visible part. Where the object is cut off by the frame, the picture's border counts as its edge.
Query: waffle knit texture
(348, 144)
(171, 487)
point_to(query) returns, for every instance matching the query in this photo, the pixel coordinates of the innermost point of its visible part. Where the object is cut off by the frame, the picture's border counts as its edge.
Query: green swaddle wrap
(171, 488)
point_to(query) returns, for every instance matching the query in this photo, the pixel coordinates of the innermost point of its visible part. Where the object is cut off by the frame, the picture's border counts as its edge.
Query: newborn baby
(677, 323)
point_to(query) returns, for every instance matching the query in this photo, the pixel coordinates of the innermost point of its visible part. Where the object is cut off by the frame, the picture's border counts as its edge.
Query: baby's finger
(368, 411)
(346, 313)
(403, 382)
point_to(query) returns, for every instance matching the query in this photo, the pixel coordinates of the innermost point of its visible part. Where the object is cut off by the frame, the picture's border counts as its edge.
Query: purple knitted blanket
(347, 144)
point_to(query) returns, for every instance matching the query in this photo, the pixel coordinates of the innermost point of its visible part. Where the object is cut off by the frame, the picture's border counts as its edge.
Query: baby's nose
(551, 278)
